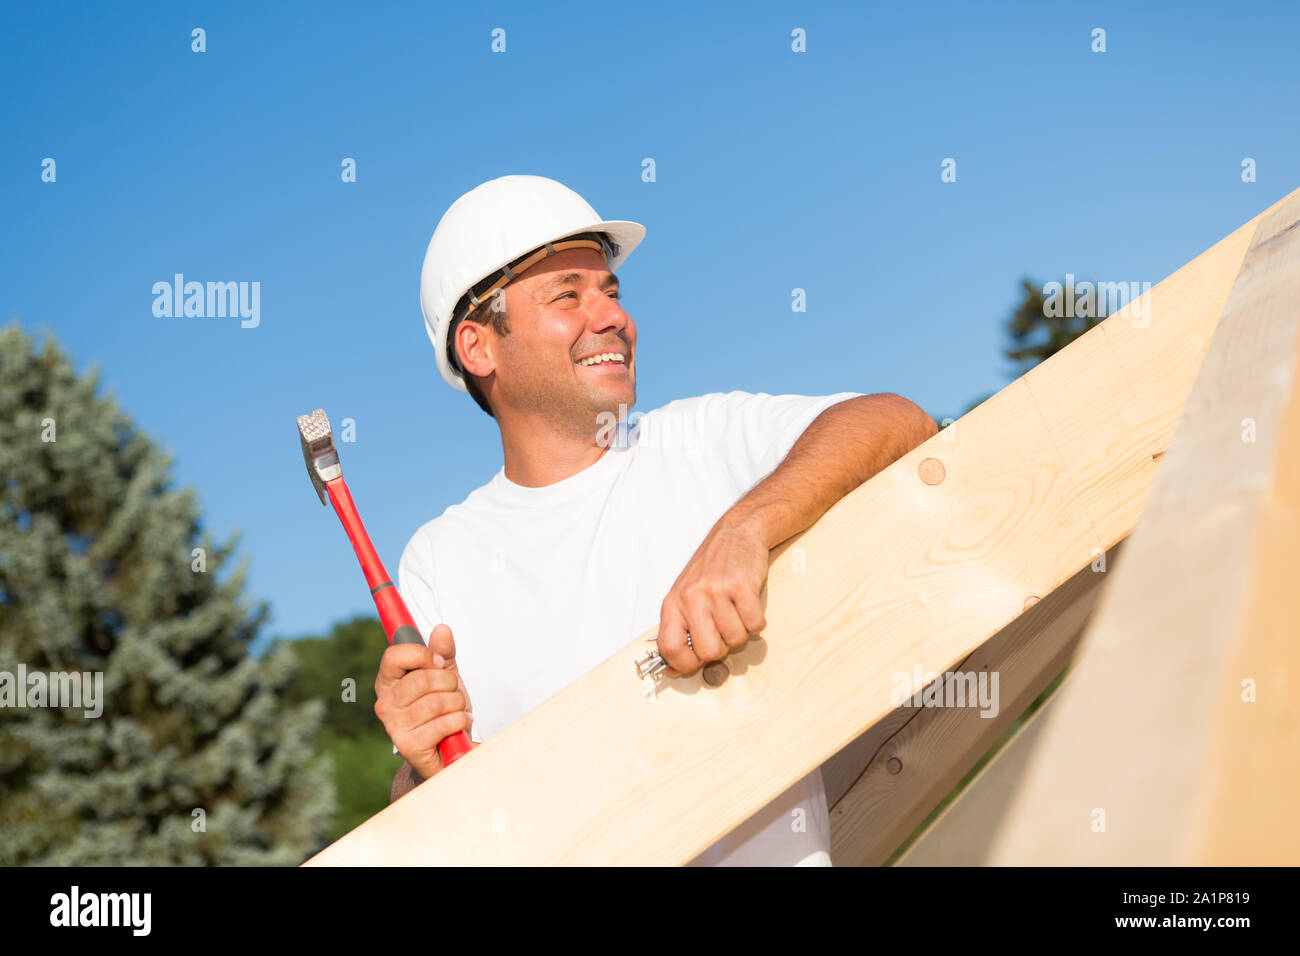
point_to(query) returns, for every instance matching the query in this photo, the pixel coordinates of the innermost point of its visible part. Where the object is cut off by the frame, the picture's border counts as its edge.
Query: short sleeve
(415, 584)
(417, 592)
(757, 430)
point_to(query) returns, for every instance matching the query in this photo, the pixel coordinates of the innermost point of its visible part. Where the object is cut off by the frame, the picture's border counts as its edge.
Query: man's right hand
(421, 699)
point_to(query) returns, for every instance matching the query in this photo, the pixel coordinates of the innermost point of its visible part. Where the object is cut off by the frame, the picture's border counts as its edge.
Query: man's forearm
(843, 447)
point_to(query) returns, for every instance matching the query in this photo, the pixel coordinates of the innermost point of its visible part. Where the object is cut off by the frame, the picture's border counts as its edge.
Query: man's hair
(483, 315)
(493, 311)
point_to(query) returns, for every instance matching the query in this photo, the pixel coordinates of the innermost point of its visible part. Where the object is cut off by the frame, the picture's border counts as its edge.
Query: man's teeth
(604, 357)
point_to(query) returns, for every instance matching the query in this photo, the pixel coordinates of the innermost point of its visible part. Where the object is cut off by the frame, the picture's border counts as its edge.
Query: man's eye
(613, 295)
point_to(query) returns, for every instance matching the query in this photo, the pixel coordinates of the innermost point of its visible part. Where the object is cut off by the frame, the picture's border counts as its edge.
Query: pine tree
(104, 567)
(1036, 333)
(340, 670)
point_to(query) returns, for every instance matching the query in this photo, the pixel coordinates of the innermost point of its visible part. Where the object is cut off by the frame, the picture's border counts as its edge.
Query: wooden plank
(901, 571)
(1151, 738)
(1255, 750)
(963, 834)
(843, 770)
(920, 763)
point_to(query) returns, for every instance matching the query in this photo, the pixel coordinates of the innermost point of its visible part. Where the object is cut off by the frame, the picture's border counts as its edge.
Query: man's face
(563, 312)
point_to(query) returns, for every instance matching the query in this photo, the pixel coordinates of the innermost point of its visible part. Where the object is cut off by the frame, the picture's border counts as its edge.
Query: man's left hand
(715, 599)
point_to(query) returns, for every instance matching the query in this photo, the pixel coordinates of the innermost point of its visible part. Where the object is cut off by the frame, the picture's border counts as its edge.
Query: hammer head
(318, 450)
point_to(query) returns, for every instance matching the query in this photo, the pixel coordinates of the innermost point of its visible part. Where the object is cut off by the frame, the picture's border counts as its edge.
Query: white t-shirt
(539, 585)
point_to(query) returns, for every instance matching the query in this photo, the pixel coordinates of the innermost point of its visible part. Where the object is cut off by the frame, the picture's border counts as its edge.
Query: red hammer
(327, 477)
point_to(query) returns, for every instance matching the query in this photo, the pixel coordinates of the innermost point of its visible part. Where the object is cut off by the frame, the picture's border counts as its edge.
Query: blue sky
(775, 170)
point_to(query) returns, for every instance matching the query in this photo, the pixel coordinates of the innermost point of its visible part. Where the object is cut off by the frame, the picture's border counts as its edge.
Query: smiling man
(584, 540)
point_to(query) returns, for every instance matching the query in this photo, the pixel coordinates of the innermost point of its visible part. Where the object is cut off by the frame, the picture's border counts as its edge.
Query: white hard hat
(491, 226)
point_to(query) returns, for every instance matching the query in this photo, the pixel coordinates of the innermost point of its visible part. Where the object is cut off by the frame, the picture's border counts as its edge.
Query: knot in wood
(931, 471)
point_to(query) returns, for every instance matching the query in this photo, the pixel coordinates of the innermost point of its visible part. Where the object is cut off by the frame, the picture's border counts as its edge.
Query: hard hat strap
(536, 256)
(512, 271)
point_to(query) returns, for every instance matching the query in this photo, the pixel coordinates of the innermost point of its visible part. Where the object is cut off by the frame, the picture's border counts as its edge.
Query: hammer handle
(393, 614)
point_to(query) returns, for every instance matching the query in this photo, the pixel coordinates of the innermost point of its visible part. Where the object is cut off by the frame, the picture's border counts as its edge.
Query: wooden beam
(919, 566)
(920, 763)
(963, 834)
(845, 768)
(1255, 749)
(1151, 738)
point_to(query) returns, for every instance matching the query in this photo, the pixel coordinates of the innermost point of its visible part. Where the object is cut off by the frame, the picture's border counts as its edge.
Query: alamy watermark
(130, 910)
(1097, 300)
(76, 689)
(213, 300)
(949, 689)
(686, 433)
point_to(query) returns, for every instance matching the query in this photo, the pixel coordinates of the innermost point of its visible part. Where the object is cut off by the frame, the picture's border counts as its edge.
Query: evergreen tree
(1036, 332)
(349, 653)
(339, 669)
(104, 567)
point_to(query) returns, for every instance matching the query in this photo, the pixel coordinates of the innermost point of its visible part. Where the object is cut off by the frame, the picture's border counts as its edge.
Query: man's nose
(610, 316)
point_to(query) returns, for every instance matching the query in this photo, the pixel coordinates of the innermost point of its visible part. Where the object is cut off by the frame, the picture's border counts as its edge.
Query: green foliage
(353, 739)
(350, 652)
(1036, 332)
(98, 573)
(363, 773)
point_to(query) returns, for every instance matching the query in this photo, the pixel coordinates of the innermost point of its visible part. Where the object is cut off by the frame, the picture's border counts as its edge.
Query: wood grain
(963, 834)
(1255, 749)
(935, 748)
(1151, 737)
(900, 572)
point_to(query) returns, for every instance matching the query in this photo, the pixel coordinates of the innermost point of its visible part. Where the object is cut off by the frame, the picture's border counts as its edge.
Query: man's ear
(473, 342)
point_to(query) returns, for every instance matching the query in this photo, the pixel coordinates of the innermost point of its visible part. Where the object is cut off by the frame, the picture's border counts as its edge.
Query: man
(598, 526)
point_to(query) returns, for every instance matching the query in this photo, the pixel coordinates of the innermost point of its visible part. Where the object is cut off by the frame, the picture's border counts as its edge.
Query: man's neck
(540, 455)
